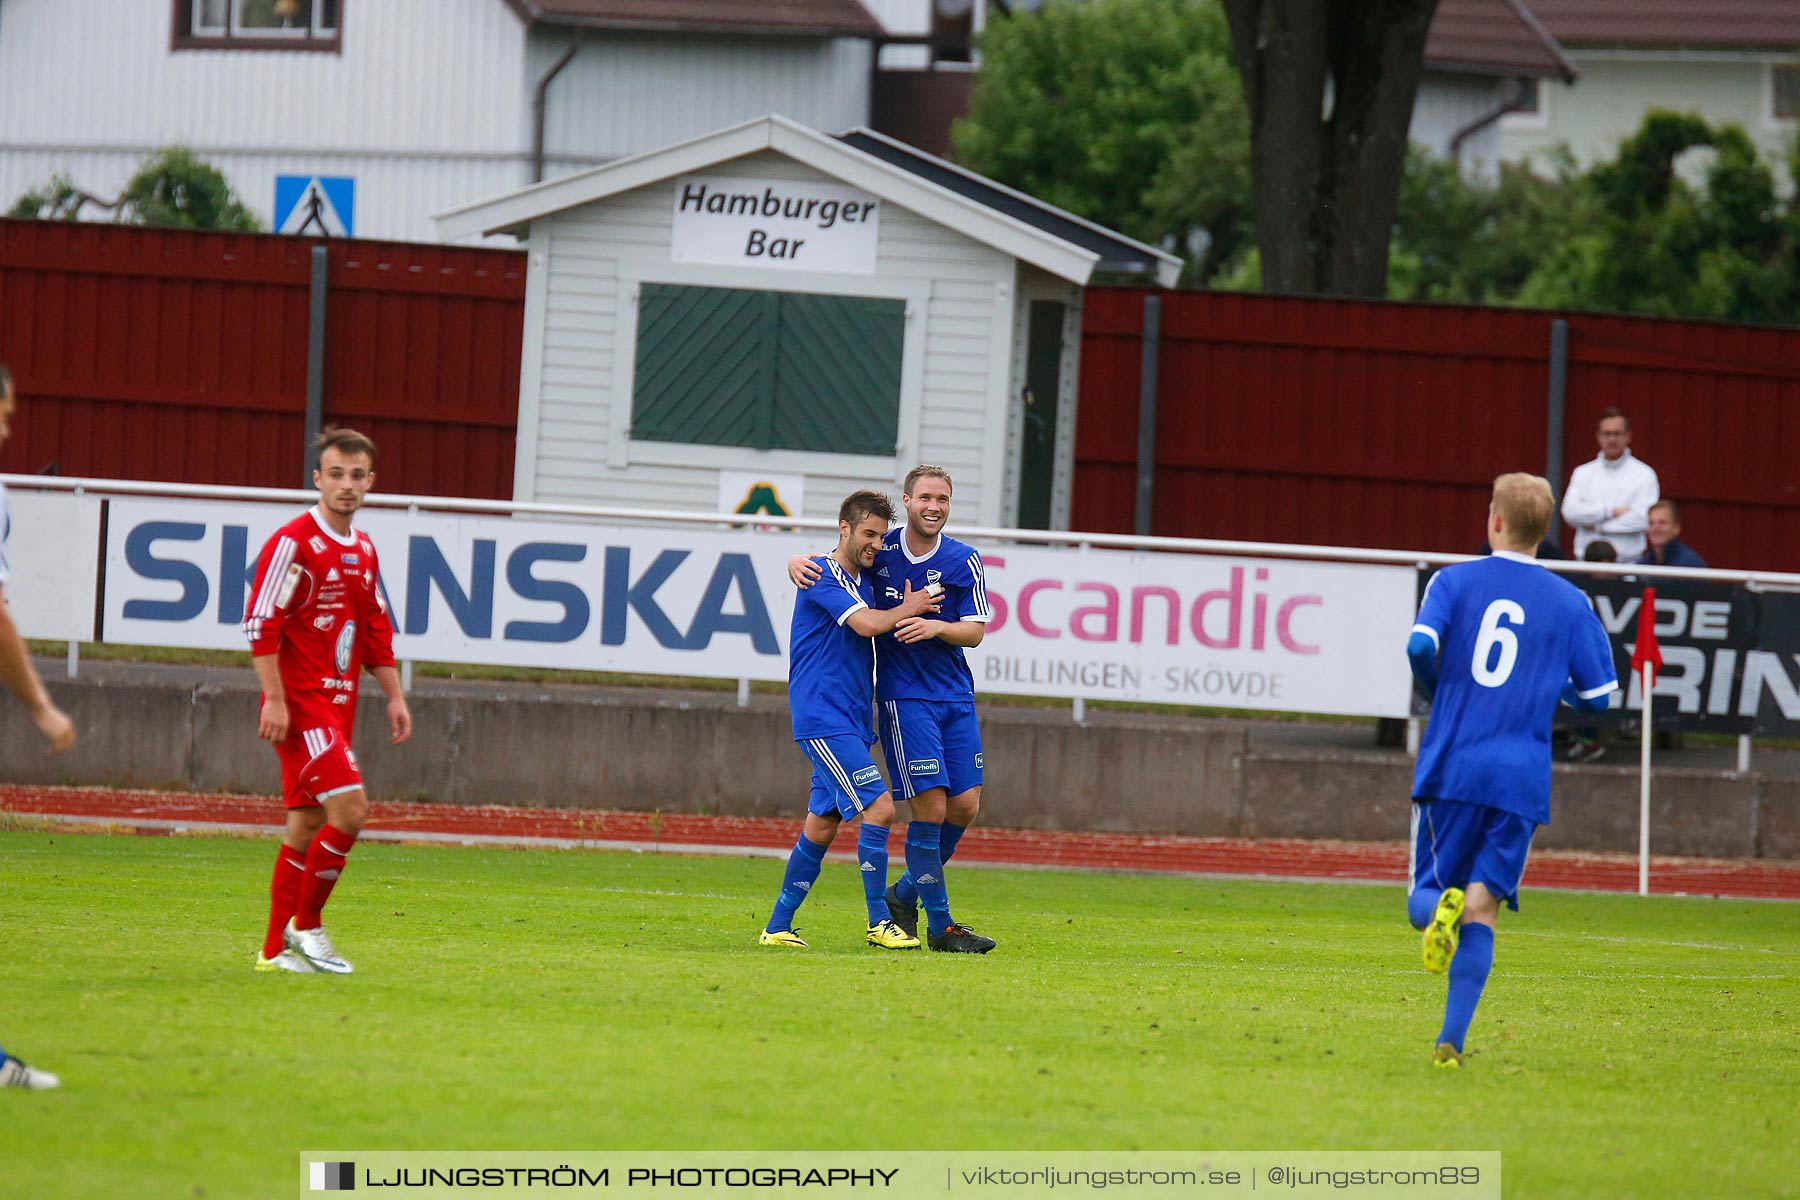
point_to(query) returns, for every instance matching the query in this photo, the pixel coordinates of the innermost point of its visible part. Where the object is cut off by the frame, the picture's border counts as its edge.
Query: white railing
(969, 533)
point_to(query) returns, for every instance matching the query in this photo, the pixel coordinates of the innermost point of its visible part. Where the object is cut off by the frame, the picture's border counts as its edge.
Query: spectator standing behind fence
(1664, 535)
(1610, 497)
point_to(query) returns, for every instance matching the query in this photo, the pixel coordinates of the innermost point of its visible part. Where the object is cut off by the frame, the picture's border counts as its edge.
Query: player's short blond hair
(1524, 502)
(926, 471)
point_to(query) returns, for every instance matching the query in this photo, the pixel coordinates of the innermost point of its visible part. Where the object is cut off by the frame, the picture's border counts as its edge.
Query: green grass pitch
(536, 1000)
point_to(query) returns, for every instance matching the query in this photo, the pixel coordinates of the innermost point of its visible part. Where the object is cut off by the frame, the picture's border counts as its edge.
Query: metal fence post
(1557, 406)
(315, 362)
(1147, 386)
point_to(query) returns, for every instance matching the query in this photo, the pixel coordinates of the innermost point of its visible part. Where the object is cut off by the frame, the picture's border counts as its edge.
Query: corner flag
(1647, 653)
(1646, 661)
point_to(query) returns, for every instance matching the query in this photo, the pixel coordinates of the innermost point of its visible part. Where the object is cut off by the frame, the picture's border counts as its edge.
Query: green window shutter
(837, 373)
(705, 371)
(768, 370)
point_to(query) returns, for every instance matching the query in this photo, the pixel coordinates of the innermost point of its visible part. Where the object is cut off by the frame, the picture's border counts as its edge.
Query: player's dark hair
(1674, 511)
(347, 442)
(6, 379)
(1600, 552)
(925, 471)
(860, 506)
(1615, 411)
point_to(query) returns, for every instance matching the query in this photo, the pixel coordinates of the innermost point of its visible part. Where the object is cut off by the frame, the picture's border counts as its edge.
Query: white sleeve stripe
(1429, 632)
(848, 587)
(849, 612)
(279, 562)
(979, 618)
(1609, 686)
(980, 589)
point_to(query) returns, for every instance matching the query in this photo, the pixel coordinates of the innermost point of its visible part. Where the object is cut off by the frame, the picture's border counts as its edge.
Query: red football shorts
(316, 764)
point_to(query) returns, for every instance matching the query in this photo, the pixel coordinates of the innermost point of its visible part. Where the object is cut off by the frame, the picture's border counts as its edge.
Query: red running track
(1383, 862)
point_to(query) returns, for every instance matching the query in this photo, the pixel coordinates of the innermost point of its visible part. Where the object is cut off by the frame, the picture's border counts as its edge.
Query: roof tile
(1494, 36)
(1673, 24)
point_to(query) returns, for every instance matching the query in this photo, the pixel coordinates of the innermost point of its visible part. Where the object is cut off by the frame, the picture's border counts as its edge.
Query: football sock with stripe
(325, 860)
(284, 895)
(927, 870)
(949, 834)
(872, 857)
(1421, 906)
(802, 871)
(1468, 975)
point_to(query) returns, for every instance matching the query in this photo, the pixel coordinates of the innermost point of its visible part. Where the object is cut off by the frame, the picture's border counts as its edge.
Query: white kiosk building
(770, 310)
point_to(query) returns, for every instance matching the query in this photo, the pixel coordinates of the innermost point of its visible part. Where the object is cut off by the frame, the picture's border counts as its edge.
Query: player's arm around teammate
(831, 666)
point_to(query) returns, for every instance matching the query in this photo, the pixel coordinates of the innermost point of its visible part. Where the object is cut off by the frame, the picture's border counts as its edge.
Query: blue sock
(1468, 975)
(872, 856)
(802, 869)
(1421, 905)
(947, 839)
(949, 834)
(927, 869)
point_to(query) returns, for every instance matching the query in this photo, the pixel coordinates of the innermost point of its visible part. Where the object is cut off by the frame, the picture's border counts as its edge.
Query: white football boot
(315, 947)
(14, 1073)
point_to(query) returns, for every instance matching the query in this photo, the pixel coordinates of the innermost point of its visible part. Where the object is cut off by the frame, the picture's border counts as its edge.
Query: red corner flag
(1646, 650)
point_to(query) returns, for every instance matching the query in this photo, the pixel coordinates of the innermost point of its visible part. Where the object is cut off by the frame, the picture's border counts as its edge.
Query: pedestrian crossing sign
(316, 205)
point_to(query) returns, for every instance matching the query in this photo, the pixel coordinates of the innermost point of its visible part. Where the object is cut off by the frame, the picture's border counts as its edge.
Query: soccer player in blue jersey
(831, 666)
(21, 678)
(1498, 643)
(926, 697)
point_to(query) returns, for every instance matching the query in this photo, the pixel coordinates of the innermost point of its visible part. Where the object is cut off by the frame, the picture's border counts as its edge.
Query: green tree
(1648, 241)
(1126, 112)
(1467, 242)
(172, 189)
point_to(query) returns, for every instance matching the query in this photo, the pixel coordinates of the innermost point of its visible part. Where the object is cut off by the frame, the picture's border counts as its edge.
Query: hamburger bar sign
(783, 224)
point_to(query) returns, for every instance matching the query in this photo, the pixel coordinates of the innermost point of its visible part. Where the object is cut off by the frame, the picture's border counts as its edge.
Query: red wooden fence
(1379, 424)
(179, 356)
(158, 354)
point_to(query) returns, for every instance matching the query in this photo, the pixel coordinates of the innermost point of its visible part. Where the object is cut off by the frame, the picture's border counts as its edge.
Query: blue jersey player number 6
(1498, 643)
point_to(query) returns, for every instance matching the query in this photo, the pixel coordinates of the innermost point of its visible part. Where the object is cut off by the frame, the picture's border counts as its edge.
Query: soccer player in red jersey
(315, 618)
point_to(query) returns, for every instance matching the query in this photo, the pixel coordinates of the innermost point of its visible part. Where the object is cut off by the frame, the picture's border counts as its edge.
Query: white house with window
(400, 108)
(1736, 62)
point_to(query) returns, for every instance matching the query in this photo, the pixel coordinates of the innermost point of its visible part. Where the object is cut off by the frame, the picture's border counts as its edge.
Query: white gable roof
(514, 211)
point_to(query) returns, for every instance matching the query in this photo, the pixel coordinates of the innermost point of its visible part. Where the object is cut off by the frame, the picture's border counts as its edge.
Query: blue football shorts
(845, 779)
(1455, 844)
(931, 744)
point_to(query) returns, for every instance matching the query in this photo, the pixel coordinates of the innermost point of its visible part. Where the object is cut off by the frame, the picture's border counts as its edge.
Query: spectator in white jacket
(1609, 499)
